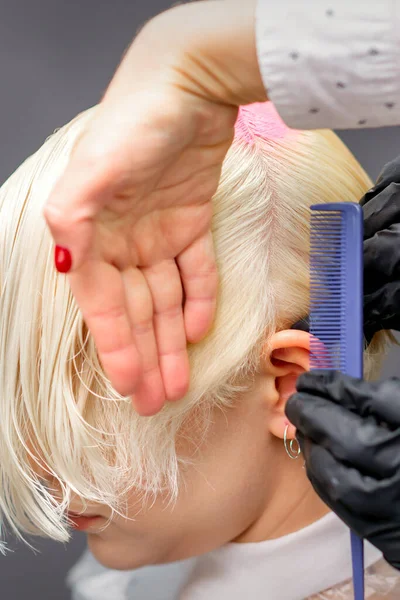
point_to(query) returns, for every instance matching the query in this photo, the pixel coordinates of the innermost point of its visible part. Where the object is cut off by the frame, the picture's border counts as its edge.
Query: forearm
(209, 49)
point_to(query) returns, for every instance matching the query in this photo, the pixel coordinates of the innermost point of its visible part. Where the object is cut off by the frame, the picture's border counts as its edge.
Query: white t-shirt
(293, 567)
(331, 63)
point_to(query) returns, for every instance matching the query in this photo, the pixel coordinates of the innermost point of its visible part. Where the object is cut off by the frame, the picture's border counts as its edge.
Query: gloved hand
(381, 206)
(349, 431)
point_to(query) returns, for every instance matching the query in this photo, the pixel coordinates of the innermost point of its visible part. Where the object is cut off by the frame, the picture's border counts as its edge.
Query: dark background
(56, 59)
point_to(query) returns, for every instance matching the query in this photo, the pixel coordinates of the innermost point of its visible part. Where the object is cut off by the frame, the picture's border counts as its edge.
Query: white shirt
(331, 63)
(293, 567)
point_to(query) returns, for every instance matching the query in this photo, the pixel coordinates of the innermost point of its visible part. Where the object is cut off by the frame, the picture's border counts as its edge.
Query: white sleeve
(331, 63)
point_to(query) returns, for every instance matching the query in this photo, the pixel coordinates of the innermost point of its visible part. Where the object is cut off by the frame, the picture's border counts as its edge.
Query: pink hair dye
(259, 120)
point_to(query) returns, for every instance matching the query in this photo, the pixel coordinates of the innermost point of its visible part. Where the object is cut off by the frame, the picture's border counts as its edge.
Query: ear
(287, 356)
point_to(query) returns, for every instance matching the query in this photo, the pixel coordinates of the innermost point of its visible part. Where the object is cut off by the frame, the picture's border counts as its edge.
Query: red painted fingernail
(62, 259)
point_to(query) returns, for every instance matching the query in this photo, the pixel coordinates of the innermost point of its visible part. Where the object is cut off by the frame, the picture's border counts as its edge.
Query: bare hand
(134, 209)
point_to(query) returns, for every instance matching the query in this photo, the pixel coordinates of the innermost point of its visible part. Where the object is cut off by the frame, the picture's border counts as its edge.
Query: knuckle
(209, 272)
(114, 313)
(171, 312)
(54, 215)
(143, 328)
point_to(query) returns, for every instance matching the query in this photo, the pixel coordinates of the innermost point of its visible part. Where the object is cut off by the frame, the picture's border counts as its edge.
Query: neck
(290, 503)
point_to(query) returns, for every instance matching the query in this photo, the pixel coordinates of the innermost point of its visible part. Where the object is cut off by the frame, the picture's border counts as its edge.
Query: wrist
(214, 48)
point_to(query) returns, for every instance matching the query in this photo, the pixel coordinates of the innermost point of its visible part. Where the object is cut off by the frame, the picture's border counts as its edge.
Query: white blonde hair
(58, 411)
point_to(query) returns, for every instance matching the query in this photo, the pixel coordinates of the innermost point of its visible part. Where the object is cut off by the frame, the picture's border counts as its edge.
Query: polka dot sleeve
(331, 64)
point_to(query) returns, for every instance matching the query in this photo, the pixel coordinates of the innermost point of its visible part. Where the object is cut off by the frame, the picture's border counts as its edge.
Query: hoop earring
(292, 451)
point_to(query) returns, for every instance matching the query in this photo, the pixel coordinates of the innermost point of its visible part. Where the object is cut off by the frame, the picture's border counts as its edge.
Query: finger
(199, 275)
(381, 207)
(382, 254)
(365, 398)
(99, 291)
(165, 284)
(382, 307)
(149, 396)
(361, 443)
(348, 492)
(389, 174)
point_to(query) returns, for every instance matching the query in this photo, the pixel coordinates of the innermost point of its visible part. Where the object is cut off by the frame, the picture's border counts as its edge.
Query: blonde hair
(58, 411)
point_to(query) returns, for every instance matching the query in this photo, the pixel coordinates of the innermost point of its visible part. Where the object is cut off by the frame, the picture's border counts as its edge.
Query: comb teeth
(327, 292)
(335, 286)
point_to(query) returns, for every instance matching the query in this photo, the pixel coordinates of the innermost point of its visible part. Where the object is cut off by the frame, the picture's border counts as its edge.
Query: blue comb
(336, 308)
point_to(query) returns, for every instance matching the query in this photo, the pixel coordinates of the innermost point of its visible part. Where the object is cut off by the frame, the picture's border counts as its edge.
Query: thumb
(79, 194)
(72, 232)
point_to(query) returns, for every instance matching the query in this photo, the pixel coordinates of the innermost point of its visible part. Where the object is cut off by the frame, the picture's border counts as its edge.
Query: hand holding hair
(131, 214)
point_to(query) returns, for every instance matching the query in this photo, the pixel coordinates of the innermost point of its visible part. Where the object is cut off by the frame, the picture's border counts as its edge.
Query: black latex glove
(381, 207)
(349, 431)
